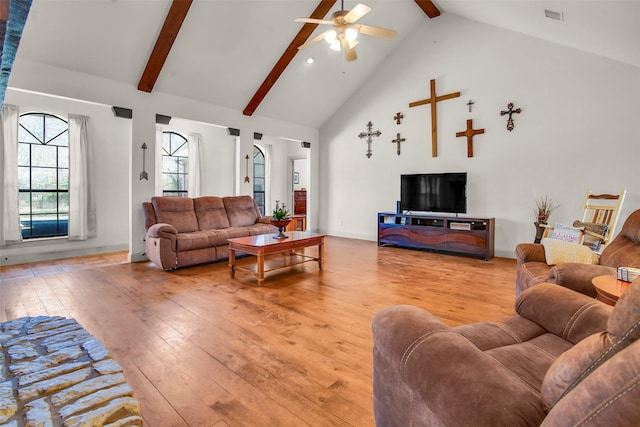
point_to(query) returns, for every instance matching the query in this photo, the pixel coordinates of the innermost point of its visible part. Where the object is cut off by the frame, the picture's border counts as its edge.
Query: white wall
(577, 130)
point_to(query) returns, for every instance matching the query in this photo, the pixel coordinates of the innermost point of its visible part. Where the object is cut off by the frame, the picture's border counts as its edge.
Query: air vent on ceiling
(552, 14)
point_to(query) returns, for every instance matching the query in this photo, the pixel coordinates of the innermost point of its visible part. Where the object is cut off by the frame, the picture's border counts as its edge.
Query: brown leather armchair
(624, 250)
(564, 360)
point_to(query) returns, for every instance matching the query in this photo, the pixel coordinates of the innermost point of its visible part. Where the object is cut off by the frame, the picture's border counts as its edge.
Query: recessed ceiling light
(551, 14)
(309, 60)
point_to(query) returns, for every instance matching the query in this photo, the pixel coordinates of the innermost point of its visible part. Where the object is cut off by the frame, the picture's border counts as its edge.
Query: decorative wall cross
(469, 134)
(470, 103)
(399, 116)
(369, 134)
(432, 100)
(510, 111)
(398, 140)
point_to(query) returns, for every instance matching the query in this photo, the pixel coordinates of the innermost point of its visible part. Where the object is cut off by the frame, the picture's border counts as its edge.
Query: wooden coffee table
(609, 288)
(265, 244)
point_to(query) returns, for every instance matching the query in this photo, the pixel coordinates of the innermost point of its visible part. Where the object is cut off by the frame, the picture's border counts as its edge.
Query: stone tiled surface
(54, 373)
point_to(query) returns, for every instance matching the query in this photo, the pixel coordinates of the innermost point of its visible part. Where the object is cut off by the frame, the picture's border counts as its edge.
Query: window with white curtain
(43, 175)
(259, 178)
(175, 162)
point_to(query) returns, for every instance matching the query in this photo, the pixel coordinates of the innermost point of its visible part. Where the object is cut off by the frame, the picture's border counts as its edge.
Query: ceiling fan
(345, 30)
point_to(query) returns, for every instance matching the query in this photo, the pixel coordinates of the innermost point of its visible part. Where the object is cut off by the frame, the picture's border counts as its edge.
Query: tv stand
(450, 234)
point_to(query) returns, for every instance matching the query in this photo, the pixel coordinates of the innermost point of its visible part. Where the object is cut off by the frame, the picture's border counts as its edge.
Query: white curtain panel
(82, 212)
(268, 157)
(194, 169)
(10, 232)
(158, 162)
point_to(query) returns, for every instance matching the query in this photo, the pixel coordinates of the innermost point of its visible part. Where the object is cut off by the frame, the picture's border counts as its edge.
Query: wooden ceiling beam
(305, 32)
(168, 34)
(429, 8)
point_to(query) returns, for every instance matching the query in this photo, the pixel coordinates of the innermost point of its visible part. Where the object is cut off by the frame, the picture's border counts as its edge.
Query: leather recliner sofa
(184, 231)
(564, 360)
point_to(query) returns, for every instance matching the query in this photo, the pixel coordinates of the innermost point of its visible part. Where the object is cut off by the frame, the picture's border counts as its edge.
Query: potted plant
(544, 207)
(280, 218)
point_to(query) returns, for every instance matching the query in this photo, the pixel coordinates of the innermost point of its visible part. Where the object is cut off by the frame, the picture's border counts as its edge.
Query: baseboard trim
(53, 255)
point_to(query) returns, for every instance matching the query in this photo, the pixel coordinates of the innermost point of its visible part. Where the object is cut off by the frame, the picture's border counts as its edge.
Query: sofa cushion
(609, 396)
(211, 213)
(623, 328)
(241, 210)
(193, 240)
(177, 211)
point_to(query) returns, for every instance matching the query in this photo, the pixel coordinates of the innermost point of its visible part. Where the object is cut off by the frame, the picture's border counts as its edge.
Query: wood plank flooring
(201, 349)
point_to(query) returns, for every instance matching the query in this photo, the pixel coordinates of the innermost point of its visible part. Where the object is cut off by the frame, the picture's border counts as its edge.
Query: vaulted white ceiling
(226, 48)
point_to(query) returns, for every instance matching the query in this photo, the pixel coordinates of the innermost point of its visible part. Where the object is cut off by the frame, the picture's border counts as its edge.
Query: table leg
(232, 262)
(320, 253)
(260, 269)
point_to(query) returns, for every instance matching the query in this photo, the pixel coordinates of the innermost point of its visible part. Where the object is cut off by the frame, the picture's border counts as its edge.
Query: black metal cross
(398, 140)
(399, 116)
(470, 103)
(510, 111)
(369, 134)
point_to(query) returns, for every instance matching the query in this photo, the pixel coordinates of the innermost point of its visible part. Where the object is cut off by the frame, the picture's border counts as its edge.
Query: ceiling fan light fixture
(351, 34)
(330, 36)
(335, 45)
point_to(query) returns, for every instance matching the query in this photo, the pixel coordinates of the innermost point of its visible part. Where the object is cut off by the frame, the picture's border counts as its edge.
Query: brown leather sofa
(565, 359)
(184, 231)
(624, 250)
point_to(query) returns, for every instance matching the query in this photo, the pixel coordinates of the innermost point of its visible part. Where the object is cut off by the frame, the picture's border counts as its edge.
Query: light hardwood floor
(202, 349)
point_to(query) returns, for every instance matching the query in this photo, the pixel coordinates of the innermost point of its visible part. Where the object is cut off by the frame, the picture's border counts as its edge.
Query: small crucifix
(398, 117)
(369, 134)
(470, 103)
(510, 111)
(432, 100)
(469, 134)
(398, 140)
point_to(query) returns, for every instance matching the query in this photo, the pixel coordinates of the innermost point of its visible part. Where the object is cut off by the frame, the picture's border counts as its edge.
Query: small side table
(609, 288)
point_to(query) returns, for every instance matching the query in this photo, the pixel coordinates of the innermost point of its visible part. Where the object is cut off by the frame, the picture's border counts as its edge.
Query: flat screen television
(434, 192)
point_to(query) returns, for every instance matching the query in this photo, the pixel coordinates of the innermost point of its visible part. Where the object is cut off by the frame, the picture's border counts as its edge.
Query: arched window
(43, 175)
(258, 178)
(175, 158)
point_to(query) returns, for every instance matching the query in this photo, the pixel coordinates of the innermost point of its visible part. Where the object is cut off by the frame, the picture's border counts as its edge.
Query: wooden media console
(452, 234)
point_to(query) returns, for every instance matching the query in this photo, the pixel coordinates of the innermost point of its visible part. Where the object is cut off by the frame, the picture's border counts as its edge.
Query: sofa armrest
(578, 276)
(563, 312)
(528, 252)
(458, 383)
(264, 220)
(164, 231)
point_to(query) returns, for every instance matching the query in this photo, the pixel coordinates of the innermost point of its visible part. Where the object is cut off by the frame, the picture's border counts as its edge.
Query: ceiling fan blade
(356, 13)
(376, 31)
(313, 21)
(312, 41)
(349, 52)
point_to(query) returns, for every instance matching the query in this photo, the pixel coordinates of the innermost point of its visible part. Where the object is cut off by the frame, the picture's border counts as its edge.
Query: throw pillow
(559, 251)
(592, 242)
(566, 233)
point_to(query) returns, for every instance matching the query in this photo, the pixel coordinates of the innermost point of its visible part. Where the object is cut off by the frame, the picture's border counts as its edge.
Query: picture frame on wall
(296, 178)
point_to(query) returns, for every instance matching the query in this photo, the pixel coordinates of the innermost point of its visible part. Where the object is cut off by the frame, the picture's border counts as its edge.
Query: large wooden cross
(469, 134)
(432, 100)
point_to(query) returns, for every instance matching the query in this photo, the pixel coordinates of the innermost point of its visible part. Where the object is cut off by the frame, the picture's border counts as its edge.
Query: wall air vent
(552, 14)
